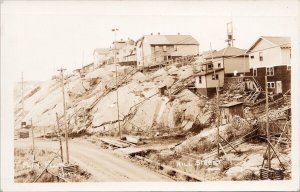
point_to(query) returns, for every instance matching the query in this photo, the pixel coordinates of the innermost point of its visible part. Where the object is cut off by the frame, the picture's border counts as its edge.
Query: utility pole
(59, 137)
(61, 70)
(218, 107)
(267, 125)
(22, 90)
(32, 134)
(82, 59)
(115, 49)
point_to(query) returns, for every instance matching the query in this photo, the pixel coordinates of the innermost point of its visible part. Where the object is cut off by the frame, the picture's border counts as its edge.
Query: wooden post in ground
(218, 107)
(32, 134)
(267, 124)
(64, 107)
(59, 138)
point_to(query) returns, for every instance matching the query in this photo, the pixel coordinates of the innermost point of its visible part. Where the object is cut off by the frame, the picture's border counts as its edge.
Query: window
(200, 79)
(219, 65)
(271, 85)
(254, 72)
(252, 56)
(175, 47)
(261, 58)
(215, 77)
(288, 67)
(164, 48)
(209, 66)
(270, 71)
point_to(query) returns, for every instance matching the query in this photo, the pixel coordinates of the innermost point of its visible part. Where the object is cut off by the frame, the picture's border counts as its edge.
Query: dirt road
(101, 163)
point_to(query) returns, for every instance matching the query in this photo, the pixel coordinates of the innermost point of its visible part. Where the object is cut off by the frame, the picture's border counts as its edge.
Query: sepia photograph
(116, 95)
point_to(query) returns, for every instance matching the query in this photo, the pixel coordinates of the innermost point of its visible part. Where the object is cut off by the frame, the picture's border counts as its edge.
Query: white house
(125, 51)
(269, 51)
(152, 50)
(271, 57)
(100, 56)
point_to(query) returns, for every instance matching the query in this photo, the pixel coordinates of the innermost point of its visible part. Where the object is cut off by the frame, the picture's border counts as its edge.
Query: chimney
(178, 33)
(158, 33)
(151, 33)
(121, 39)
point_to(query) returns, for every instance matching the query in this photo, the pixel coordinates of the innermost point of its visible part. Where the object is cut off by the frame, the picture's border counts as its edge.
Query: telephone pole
(115, 50)
(59, 137)
(267, 125)
(32, 134)
(61, 70)
(218, 107)
(22, 90)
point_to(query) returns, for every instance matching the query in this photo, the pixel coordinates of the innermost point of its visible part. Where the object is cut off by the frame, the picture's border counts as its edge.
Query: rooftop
(283, 42)
(227, 52)
(231, 104)
(171, 40)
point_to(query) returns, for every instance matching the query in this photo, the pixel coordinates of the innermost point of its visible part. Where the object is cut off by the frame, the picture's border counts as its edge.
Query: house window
(270, 71)
(271, 85)
(261, 58)
(200, 79)
(164, 48)
(215, 77)
(209, 66)
(255, 72)
(252, 56)
(175, 47)
(288, 67)
(219, 65)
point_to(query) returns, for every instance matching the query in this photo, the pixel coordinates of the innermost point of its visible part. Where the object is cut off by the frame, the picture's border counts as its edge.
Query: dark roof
(231, 104)
(201, 73)
(283, 42)
(171, 40)
(227, 52)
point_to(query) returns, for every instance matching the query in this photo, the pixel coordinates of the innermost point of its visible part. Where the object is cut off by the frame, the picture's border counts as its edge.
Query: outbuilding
(229, 110)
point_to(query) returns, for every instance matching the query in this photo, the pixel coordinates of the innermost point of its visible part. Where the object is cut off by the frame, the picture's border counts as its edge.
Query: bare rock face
(92, 100)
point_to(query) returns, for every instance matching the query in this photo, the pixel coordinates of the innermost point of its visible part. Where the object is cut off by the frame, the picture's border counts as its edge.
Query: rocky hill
(91, 100)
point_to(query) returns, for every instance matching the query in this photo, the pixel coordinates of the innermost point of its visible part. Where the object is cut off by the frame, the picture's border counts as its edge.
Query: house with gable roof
(271, 56)
(153, 50)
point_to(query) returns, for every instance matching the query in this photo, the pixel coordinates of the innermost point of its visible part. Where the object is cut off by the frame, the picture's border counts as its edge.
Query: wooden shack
(229, 110)
(163, 90)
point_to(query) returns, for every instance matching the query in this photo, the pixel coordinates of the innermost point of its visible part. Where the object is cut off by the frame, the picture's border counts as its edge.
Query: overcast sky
(39, 37)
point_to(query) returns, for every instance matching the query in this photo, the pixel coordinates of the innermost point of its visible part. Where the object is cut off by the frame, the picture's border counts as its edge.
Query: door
(278, 87)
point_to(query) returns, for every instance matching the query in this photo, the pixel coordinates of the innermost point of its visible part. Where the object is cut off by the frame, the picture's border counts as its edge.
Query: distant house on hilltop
(126, 54)
(271, 56)
(152, 50)
(100, 56)
(232, 59)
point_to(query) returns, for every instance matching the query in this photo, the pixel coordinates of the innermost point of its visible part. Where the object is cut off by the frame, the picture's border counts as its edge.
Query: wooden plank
(130, 150)
(114, 142)
(133, 139)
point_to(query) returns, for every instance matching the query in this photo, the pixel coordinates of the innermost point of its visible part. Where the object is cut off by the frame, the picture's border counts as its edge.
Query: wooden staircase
(252, 97)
